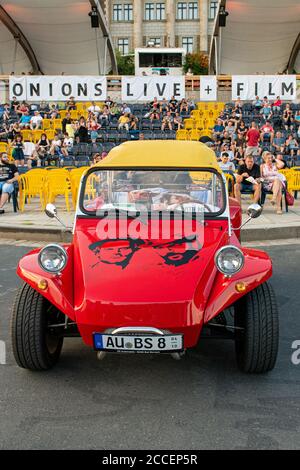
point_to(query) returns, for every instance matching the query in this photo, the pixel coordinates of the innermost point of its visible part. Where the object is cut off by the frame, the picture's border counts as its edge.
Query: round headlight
(229, 260)
(53, 258)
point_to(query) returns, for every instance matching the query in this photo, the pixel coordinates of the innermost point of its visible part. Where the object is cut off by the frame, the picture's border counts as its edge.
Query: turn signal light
(240, 287)
(43, 284)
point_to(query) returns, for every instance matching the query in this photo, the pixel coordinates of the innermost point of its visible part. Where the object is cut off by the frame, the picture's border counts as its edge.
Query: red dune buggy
(155, 265)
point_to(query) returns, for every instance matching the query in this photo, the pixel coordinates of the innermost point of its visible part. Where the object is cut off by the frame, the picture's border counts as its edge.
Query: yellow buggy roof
(161, 153)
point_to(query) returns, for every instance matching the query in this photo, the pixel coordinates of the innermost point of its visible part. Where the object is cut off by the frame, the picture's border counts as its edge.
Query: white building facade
(165, 23)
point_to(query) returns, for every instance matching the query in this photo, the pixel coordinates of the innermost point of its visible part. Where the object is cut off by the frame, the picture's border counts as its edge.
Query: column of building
(203, 15)
(137, 23)
(170, 23)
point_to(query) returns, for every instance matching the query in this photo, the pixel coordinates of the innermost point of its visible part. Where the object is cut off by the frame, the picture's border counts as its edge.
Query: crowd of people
(254, 141)
(164, 115)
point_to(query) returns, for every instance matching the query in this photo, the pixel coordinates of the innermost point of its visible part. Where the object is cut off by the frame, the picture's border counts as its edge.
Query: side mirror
(254, 211)
(51, 211)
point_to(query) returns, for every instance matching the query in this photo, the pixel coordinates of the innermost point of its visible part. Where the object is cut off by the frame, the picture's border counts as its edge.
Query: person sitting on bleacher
(218, 129)
(94, 109)
(178, 121)
(8, 175)
(278, 143)
(22, 109)
(247, 170)
(123, 122)
(288, 117)
(167, 121)
(36, 121)
(292, 146)
(276, 106)
(257, 103)
(272, 179)
(71, 105)
(225, 164)
(25, 120)
(43, 147)
(267, 133)
(266, 111)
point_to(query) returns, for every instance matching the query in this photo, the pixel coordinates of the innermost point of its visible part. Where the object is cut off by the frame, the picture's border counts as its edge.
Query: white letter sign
(147, 88)
(247, 87)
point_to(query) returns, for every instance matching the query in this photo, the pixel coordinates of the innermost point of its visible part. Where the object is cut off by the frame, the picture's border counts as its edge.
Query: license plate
(138, 344)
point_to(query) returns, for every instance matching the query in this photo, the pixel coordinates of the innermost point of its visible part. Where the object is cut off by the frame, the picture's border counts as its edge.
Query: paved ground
(200, 402)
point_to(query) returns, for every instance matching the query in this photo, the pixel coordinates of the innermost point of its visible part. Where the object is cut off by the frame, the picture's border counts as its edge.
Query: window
(154, 41)
(193, 11)
(117, 13)
(187, 44)
(128, 12)
(123, 45)
(213, 6)
(182, 11)
(160, 11)
(149, 11)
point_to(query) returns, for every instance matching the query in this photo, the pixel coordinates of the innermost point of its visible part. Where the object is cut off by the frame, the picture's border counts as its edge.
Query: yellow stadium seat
(189, 124)
(27, 135)
(199, 124)
(195, 114)
(74, 114)
(57, 124)
(32, 184)
(47, 124)
(75, 177)
(294, 182)
(195, 134)
(37, 134)
(58, 183)
(3, 147)
(182, 134)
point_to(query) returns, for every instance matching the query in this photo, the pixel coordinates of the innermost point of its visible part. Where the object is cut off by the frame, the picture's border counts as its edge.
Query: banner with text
(58, 88)
(247, 87)
(208, 88)
(147, 88)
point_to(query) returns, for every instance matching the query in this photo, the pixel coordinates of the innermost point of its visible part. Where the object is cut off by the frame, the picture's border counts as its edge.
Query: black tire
(34, 346)
(257, 346)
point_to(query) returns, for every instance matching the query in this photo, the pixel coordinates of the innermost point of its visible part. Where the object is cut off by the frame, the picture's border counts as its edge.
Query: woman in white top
(272, 179)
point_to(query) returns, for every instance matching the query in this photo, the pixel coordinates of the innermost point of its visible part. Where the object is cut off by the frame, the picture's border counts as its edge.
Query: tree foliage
(197, 62)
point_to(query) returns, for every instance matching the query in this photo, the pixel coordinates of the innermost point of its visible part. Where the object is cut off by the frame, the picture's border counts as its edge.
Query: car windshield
(153, 190)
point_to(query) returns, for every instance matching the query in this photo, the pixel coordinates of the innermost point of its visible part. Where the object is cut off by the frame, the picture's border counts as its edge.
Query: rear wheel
(256, 343)
(35, 344)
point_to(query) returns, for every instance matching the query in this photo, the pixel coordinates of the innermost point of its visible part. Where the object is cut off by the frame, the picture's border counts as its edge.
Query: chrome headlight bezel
(239, 253)
(63, 253)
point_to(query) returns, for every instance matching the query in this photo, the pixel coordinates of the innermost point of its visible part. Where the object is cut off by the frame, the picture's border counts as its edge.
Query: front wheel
(256, 341)
(35, 344)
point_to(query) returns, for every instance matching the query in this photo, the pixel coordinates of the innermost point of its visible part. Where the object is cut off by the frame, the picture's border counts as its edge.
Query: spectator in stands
(33, 160)
(18, 150)
(178, 122)
(281, 158)
(126, 109)
(68, 143)
(228, 150)
(6, 112)
(123, 122)
(14, 104)
(25, 120)
(154, 115)
(154, 104)
(94, 127)
(96, 158)
(167, 121)
(239, 155)
(8, 176)
(104, 115)
(276, 106)
(292, 146)
(141, 136)
(272, 179)
(184, 106)
(36, 121)
(248, 170)
(231, 129)
(44, 108)
(82, 131)
(133, 122)
(266, 111)
(225, 164)
(71, 104)
(66, 120)
(164, 106)
(238, 104)
(267, 132)
(218, 129)
(242, 128)
(288, 117)
(253, 137)
(53, 112)
(22, 109)
(278, 143)
(43, 148)
(115, 110)
(95, 109)
(257, 103)
(297, 117)
(108, 102)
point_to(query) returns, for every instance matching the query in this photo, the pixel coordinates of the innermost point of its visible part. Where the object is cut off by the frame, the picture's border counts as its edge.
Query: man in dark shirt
(65, 121)
(248, 170)
(8, 175)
